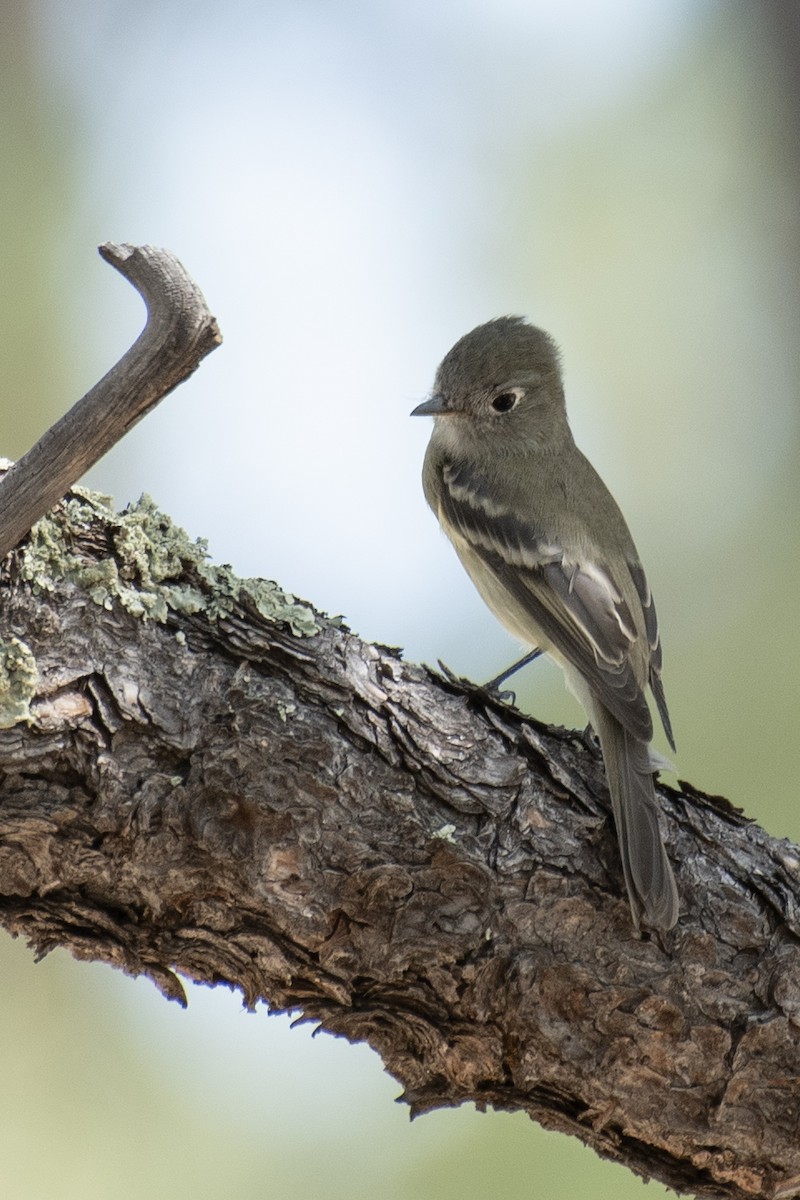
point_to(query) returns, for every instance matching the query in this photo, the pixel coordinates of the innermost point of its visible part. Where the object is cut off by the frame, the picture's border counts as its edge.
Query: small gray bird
(547, 547)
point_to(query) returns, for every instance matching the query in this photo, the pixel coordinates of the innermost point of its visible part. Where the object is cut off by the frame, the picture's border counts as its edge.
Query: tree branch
(202, 776)
(179, 333)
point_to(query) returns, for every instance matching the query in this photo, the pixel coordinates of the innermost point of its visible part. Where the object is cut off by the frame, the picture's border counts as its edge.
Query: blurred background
(354, 185)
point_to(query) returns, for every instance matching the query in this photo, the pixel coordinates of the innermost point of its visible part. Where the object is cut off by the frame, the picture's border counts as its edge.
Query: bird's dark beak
(434, 406)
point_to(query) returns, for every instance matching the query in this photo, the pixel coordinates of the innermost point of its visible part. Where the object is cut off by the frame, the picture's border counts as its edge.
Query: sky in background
(337, 179)
(354, 186)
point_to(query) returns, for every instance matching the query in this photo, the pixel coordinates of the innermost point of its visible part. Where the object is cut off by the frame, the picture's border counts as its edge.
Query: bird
(549, 551)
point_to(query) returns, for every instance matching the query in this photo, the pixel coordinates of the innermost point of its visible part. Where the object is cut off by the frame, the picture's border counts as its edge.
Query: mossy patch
(18, 676)
(140, 559)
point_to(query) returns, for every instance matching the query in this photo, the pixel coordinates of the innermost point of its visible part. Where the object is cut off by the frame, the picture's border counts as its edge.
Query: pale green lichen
(18, 676)
(144, 566)
(285, 709)
(275, 605)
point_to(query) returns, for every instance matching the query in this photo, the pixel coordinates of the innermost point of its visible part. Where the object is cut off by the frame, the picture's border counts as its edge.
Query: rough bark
(203, 777)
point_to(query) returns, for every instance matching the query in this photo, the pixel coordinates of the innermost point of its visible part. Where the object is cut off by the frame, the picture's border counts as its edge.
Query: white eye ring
(504, 401)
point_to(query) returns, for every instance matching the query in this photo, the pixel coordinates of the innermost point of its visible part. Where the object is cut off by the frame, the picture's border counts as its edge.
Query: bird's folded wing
(654, 638)
(577, 605)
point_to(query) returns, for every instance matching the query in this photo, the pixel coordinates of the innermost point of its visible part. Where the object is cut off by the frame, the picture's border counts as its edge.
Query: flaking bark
(206, 792)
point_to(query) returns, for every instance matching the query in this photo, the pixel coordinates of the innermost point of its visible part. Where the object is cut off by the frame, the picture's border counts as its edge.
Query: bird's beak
(434, 406)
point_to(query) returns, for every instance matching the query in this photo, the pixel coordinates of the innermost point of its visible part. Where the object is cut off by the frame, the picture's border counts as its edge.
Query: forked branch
(179, 333)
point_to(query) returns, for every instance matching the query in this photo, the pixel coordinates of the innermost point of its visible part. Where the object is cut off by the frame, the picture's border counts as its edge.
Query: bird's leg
(494, 684)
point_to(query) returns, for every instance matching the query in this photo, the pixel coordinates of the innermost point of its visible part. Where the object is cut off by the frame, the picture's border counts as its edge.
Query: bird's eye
(505, 401)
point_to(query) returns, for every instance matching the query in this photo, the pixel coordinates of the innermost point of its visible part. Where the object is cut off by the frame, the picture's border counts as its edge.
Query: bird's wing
(577, 605)
(654, 638)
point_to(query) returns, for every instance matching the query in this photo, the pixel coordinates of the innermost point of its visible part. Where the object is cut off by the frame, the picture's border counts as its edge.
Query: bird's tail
(648, 875)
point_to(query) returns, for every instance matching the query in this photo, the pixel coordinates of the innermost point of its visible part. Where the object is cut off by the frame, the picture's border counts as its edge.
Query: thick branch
(179, 333)
(205, 777)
